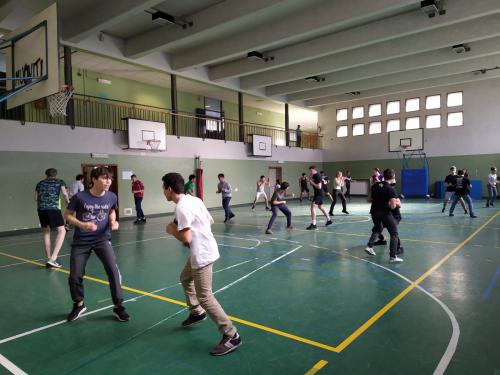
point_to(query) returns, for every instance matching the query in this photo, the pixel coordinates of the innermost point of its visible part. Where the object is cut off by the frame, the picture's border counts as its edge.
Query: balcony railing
(101, 113)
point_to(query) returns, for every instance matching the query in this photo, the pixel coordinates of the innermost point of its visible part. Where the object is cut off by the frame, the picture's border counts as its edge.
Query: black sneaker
(138, 221)
(330, 213)
(401, 250)
(466, 212)
(329, 222)
(76, 312)
(231, 216)
(267, 208)
(143, 220)
(194, 319)
(226, 219)
(120, 314)
(312, 226)
(442, 211)
(227, 345)
(451, 215)
(345, 211)
(473, 216)
(380, 242)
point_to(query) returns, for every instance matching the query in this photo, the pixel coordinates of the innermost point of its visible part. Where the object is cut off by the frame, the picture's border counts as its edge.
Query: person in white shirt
(192, 227)
(492, 187)
(261, 185)
(76, 186)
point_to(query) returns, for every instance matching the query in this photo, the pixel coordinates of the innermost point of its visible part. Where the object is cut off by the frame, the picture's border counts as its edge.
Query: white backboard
(140, 131)
(413, 139)
(261, 145)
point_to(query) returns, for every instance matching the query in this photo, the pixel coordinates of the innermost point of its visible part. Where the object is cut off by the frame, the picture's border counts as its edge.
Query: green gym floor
(303, 301)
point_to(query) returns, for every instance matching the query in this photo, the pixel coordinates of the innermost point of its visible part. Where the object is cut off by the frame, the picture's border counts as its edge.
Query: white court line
(134, 299)
(10, 366)
(240, 238)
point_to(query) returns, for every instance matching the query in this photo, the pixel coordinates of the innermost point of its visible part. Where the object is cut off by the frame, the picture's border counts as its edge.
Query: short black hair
(51, 172)
(191, 177)
(312, 167)
(262, 176)
(452, 167)
(285, 185)
(460, 172)
(303, 174)
(493, 169)
(79, 177)
(100, 172)
(220, 175)
(389, 174)
(321, 171)
(175, 181)
(133, 176)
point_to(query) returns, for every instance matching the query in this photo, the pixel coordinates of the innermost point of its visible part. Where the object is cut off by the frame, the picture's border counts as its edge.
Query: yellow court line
(318, 366)
(412, 286)
(144, 293)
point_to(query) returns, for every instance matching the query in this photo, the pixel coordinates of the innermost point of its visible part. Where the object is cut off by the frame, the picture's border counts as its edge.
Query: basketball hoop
(59, 101)
(403, 148)
(153, 144)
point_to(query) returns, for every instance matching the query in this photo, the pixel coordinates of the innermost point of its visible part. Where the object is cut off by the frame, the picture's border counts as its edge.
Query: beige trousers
(197, 284)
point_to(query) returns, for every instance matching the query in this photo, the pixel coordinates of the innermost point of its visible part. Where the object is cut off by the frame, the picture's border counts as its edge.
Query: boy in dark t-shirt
(316, 183)
(462, 191)
(303, 180)
(92, 212)
(450, 189)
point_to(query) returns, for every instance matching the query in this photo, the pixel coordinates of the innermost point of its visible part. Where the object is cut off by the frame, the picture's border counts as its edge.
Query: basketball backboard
(409, 140)
(32, 50)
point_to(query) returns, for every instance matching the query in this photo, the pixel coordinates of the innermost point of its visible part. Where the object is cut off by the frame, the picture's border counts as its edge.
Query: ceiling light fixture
(460, 48)
(432, 7)
(162, 18)
(354, 93)
(315, 79)
(259, 56)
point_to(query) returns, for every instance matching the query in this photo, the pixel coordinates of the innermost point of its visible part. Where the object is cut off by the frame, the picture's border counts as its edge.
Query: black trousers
(381, 220)
(80, 254)
(342, 198)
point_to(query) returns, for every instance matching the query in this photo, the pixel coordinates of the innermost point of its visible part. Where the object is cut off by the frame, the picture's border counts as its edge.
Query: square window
(412, 123)
(456, 119)
(392, 107)
(358, 129)
(374, 110)
(433, 102)
(412, 104)
(341, 131)
(342, 114)
(433, 121)
(358, 112)
(375, 127)
(393, 125)
(454, 99)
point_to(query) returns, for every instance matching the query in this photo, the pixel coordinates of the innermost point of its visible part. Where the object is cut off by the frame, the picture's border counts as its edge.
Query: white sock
(314, 222)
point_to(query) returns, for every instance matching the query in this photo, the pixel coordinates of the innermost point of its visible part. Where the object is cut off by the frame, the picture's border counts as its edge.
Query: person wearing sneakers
(317, 201)
(462, 191)
(225, 189)
(325, 180)
(278, 202)
(304, 189)
(93, 214)
(138, 191)
(492, 187)
(450, 189)
(192, 227)
(338, 184)
(384, 201)
(47, 193)
(261, 184)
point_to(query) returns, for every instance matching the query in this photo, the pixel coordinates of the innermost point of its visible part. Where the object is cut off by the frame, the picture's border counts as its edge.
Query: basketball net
(153, 144)
(59, 101)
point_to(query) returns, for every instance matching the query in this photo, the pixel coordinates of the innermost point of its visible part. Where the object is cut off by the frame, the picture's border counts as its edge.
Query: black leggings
(342, 198)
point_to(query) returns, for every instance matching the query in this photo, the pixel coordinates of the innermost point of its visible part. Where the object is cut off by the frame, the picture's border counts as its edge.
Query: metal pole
(287, 125)
(241, 126)
(68, 80)
(173, 96)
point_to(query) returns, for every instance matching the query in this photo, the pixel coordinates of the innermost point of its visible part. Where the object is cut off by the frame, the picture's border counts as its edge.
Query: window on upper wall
(374, 110)
(454, 99)
(433, 121)
(455, 119)
(412, 123)
(393, 125)
(358, 129)
(341, 131)
(392, 107)
(358, 112)
(412, 104)
(375, 127)
(342, 114)
(433, 102)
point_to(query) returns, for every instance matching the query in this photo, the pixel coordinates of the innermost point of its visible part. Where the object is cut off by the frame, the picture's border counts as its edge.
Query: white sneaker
(370, 251)
(396, 259)
(53, 264)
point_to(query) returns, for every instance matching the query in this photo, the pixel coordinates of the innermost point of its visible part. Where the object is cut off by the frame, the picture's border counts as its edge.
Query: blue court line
(489, 288)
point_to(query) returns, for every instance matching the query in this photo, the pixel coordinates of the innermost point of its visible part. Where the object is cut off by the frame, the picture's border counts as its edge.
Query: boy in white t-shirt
(492, 187)
(192, 227)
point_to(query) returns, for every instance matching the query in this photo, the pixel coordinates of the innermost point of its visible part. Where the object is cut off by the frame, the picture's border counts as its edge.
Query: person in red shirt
(138, 191)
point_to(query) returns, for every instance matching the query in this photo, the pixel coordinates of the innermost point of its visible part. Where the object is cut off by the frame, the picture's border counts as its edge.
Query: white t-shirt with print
(190, 212)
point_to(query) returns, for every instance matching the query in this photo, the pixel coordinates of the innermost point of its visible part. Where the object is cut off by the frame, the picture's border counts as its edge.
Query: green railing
(100, 113)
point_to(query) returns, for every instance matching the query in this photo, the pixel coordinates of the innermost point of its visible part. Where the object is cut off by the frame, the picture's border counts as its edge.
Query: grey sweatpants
(80, 254)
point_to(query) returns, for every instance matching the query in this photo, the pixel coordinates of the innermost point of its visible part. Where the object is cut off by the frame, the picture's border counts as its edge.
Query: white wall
(36, 137)
(479, 135)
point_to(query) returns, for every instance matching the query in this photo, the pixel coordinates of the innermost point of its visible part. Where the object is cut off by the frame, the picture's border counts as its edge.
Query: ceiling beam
(207, 21)
(405, 87)
(389, 28)
(108, 13)
(300, 25)
(442, 56)
(399, 78)
(477, 29)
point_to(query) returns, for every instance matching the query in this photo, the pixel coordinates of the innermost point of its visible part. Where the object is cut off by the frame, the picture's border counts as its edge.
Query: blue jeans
(467, 200)
(227, 209)
(138, 207)
(492, 195)
(286, 211)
